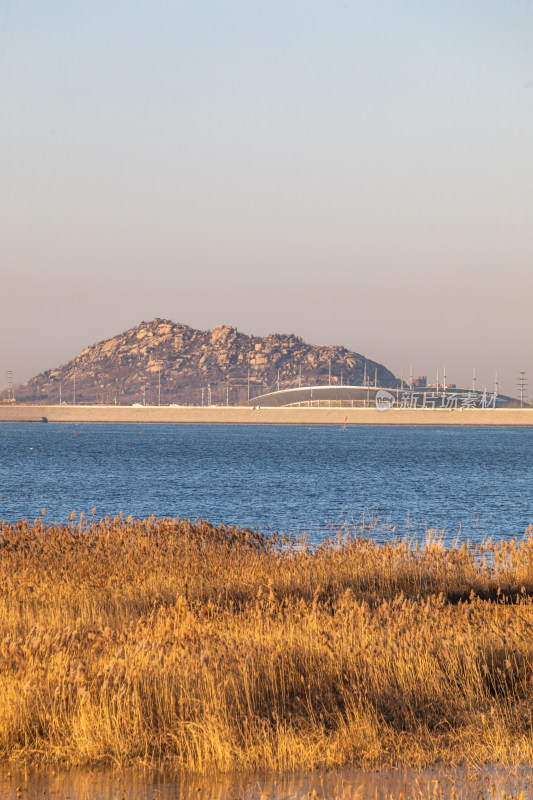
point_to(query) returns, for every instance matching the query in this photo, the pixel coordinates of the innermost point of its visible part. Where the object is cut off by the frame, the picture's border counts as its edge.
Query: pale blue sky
(357, 172)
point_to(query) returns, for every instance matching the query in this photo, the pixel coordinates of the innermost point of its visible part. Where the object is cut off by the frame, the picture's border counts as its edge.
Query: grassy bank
(175, 644)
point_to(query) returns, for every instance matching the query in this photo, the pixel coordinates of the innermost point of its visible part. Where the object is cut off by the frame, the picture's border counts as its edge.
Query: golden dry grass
(168, 643)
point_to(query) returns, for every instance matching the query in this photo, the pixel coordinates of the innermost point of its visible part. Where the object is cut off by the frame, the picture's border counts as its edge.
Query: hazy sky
(357, 172)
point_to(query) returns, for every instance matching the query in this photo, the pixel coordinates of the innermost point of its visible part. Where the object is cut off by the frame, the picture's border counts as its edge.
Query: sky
(356, 172)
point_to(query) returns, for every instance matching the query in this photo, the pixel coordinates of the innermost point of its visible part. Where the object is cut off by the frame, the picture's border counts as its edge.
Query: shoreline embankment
(248, 415)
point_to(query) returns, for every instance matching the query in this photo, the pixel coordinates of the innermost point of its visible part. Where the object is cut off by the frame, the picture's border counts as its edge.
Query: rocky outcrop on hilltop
(185, 365)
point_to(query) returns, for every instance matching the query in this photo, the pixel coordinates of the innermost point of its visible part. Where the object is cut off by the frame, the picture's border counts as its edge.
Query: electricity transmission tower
(522, 385)
(9, 382)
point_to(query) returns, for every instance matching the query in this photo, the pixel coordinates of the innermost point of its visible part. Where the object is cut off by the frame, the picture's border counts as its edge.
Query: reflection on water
(348, 784)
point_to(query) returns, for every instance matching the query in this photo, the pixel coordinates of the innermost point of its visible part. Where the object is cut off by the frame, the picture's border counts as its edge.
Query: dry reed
(178, 644)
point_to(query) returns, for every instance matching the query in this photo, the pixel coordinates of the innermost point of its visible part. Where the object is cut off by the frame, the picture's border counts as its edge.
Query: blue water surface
(475, 482)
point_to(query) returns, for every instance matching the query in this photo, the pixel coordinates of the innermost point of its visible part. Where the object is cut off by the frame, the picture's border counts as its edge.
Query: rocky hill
(187, 364)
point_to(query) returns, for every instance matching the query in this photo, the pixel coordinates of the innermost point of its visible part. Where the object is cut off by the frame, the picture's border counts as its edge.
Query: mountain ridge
(187, 365)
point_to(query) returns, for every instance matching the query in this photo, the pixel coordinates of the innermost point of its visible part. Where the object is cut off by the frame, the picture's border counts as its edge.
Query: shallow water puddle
(347, 784)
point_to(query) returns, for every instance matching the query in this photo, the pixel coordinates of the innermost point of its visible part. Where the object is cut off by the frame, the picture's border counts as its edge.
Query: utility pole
(444, 379)
(144, 395)
(364, 376)
(202, 395)
(376, 378)
(401, 377)
(474, 380)
(522, 385)
(496, 383)
(9, 380)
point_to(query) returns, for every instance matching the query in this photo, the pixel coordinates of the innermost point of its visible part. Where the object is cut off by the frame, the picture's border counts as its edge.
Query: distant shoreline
(245, 415)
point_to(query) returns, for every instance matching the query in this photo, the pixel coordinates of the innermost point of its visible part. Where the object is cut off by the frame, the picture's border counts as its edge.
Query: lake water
(474, 481)
(348, 784)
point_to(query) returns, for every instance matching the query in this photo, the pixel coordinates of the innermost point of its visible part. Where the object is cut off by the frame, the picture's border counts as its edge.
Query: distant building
(426, 396)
